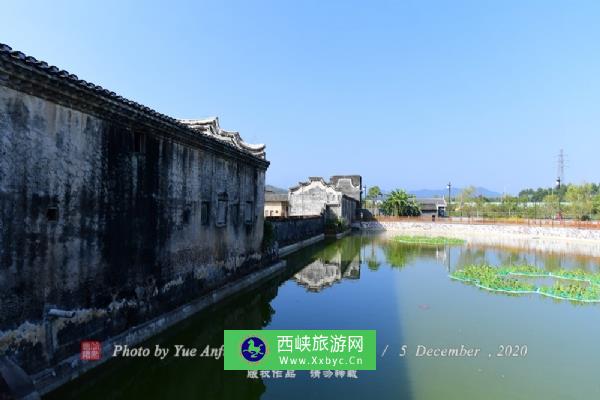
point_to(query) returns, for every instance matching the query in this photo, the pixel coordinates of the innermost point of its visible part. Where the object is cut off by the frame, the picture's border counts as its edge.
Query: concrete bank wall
(290, 248)
(560, 240)
(73, 367)
(452, 229)
(296, 229)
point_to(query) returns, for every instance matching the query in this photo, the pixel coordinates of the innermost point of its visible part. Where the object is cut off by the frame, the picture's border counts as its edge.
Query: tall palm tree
(399, 203)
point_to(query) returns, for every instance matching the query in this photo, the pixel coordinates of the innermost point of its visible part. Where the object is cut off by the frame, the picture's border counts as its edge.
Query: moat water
(402, 291)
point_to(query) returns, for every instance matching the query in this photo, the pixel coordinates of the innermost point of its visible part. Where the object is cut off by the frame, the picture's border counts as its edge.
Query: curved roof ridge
(210, 126)
(314, 179)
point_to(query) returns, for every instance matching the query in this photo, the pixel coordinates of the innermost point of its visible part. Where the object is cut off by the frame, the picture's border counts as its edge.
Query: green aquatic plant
(573, 291)
(527, 270)
(428, 240)
(576, 274)
(490, 278)
(583, 286)
(475, 272)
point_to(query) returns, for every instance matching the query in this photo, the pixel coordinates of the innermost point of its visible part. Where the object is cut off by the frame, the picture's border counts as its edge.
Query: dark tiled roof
(7, 54)
(430, 203)
(356, 179)
(272, 196)
(52, 70)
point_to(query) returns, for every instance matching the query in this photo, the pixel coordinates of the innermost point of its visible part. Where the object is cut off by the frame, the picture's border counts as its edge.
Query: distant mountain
(274, 189)
(455, 191)
(418, 193)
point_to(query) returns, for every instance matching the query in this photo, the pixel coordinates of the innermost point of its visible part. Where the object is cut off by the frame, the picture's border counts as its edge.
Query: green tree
(467, 193)
(580, 199)
(372, 195)
(510, 205)
(465, 198)
(480, 203)
(596, 204)
(550, 205)
(374, 191)
(538, 194)
(399, 203)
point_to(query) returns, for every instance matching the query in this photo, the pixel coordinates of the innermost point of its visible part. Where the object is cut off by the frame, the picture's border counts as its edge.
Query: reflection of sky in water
(404, 292)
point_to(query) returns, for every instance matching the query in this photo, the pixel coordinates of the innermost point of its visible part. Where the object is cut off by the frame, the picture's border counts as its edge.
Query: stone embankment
(551, 239)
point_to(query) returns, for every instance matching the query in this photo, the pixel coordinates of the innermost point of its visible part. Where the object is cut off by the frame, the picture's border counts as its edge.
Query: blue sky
(408, 94)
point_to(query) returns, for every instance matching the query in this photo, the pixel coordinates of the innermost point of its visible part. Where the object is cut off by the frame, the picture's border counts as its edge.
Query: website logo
(253, 349)
(311, 349)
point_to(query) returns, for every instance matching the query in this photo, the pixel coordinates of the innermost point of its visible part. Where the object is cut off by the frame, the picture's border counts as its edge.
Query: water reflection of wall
(335, 262)
(353, 271)
(318, 275)
(179, 378)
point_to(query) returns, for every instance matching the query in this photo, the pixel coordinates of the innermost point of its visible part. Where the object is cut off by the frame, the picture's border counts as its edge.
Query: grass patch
(428, 240)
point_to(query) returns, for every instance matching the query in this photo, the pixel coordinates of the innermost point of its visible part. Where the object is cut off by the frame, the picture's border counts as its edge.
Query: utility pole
(560, 167)
(560, 177)
(449, 186)
(558, 190)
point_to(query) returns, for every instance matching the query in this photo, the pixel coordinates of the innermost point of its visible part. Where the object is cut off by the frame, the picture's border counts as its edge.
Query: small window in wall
(248, 213)
(204, 212)
(139, 142)
(52, 214)
(222, 209)
(235, 214)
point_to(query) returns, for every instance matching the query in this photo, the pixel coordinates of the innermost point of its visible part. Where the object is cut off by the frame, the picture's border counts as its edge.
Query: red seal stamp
(91, 350)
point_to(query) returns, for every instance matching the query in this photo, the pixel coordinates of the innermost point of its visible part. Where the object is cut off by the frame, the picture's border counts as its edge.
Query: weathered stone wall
(345, 211)
(294, 229)
(103, 215)
(350, 185)
(312, 198)
(317, 197)
(349, 206)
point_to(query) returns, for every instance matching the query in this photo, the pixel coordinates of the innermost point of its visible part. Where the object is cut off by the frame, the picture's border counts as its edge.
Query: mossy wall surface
(97, 220)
